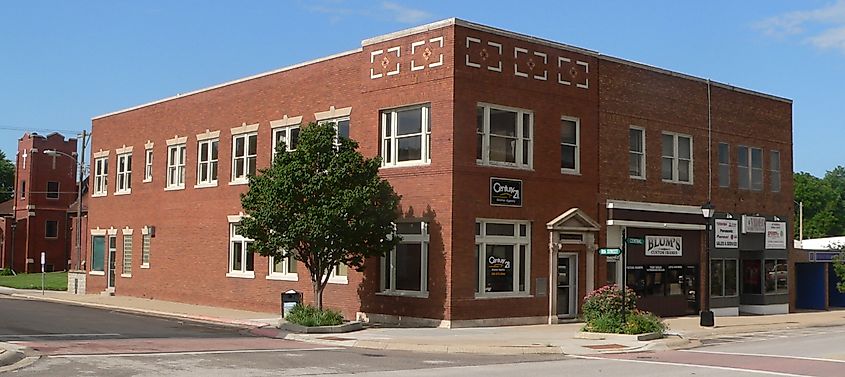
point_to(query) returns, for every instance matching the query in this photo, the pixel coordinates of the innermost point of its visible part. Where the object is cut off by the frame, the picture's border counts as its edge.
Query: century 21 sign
(505, 192)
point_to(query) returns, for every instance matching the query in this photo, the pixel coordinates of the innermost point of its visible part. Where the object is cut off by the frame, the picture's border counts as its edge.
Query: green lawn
(53, 281)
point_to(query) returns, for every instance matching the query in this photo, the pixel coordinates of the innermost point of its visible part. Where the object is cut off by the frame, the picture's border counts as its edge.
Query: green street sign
(610, 251)
(635, 241)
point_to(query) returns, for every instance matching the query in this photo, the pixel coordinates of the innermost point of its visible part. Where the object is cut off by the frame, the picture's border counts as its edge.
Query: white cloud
(404, 14)
(823, 28)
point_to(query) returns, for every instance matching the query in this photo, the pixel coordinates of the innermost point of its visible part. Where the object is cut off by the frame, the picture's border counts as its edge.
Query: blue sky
(64, 62)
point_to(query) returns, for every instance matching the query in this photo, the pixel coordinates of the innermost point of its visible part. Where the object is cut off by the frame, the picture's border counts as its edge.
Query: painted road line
(694, 366)
(5, 336)
(189, 353)
(764, 355)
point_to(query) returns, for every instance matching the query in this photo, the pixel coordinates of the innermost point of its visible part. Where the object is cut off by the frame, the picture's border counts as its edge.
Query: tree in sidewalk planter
(602, 312)
(322, 204)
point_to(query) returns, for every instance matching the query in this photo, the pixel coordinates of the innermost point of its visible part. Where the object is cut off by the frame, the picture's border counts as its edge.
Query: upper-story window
(288, 135)
(677, 158)
(124, 174)
(101, 176)
(244, 153)
(749, 164)
(724, 165)
(148, 165)
(207, 151)
(504, 136)
(52, 190)
(406, 136)
(636, 152)
(570, 151)
(23, 190)
(176, 166)
(774, 170)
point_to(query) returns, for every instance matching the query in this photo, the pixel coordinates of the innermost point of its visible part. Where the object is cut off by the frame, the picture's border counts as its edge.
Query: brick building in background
(516, 158)
(45, 186)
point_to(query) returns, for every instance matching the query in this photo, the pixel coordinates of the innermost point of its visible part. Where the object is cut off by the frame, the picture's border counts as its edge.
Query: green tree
(821, 204)
(836, 180)
(7, 178)
(839, 269)
(322, 204)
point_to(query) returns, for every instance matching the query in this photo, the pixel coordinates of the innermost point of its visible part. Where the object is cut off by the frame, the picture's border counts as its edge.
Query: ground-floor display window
(776, 275)
(661, 280)
(404, 269)
(98, 253)
(241, 259)
(723, 277)
(751, 277)
(503, 257)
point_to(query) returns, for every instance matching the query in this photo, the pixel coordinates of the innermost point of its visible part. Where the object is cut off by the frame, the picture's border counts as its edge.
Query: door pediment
(574, 220)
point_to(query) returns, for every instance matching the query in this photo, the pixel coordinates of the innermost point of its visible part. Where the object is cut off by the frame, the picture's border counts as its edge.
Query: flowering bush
(602, 313)
(607, 300)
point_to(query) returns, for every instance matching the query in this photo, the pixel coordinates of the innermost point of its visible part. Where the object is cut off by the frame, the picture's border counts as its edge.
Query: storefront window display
(751, 277)
(776, 276)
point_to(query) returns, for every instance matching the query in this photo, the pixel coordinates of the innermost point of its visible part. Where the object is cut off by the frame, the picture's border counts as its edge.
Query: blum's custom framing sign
(663, 246)
(505, 192)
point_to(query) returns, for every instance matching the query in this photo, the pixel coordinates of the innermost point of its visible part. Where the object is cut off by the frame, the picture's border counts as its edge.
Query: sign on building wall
(505, 192)
(753, 224)
(727, 234)
(663, 246)
(775, 235)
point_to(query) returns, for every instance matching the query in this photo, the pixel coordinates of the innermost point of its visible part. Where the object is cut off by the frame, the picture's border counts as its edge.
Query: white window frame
(724, 167)
(101, 177)
(335, 121)
(336, 278)
(676, 159)
(774, 171)
(249, 160)
(176, 166)
(390, 139)
(520, 139)
(148, 165)
(126, 271)
(423, 240)
(759, 169)
(123, 181)
(235, 238)
(211, 164)
(283, 134)
(577, 145)
(481, 242)
(286, 273)
(640, 155)
(146, 240)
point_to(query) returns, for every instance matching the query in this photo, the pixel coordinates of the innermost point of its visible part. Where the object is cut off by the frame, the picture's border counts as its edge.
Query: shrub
(6, 272)
(307, 315)
(602, 313)
(641, 322)
(607, 300)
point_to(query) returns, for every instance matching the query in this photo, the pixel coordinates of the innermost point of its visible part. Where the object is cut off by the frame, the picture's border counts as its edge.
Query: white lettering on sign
(727, 234)
(663, 246)
(753, 224)
(499, 188)
(775, 235)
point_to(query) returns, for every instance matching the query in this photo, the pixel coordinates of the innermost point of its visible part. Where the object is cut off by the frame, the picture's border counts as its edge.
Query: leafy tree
(322, 204)
(839, 269)
(821, 204)
(7, 178)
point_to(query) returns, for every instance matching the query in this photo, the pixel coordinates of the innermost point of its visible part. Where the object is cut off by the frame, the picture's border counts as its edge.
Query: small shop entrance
(567, 285)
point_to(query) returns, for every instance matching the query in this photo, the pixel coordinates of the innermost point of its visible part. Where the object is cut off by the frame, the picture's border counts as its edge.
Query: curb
(196, 318)
(9, 356)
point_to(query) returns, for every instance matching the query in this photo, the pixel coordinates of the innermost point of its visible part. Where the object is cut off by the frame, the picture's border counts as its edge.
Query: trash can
(289, 300)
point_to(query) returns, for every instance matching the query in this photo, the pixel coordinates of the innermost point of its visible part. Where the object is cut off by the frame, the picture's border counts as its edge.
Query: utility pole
(81, 166)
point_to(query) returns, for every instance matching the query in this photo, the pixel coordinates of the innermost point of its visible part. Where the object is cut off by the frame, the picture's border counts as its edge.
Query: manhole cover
(611, 346)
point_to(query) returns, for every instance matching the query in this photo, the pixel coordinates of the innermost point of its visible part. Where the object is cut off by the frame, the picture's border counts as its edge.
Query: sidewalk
(536, 339)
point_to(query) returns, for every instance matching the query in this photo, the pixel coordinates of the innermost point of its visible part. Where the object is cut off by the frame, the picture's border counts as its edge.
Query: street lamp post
(81, 168)
(706, 315)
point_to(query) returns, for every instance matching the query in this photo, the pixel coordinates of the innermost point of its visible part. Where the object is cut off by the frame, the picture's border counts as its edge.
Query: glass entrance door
(567, 290)
(112, 255)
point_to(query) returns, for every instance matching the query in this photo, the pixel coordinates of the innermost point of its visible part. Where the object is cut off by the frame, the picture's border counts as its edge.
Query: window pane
(756, 158)
(634, 168)
(567, 157)
(239, 146)
(568, 132)
(523, 266)
(666, 168)
(756, 179)
(343, 128)
(409, 121)
(635, 140)
(214, 145)
(410, 148)
(408, 267)
(479, 119)
(409, 228)
(781, 276)
(743, 178)
(774, 161)
(204, 152)
(98, 253)
(751, 277)
(684, 147)
(291, 265)
(237, 254)
(251, 165)
(724, 153)
(253, 141)
(716, 278)
(771, 275)
(668, 145)
(775, 181)
(526, 126)
(497, 229)
(684, 171)
(523, 230)
(388, 267)
(279, 265)
(294, 138)
(502, 149)
(502, 122)
(479, 146)
(498, 268)
(250, 259)
(730, 277)
(724, 175)
(742, 156)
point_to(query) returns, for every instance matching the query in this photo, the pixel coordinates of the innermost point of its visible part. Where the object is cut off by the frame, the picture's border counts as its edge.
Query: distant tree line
(824, 203)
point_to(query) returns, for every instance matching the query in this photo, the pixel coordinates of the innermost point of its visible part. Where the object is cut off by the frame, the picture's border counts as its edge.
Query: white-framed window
(207, 151)
(176, 166)
(504, 136)
(145, 248)
(124, 174)
(636, 152)
(774, 170)
(241, 260)
(503, 257)
(148, 165)
(724, 277)
(51, 229)
(749, 164)
(52, 190)
(127, 255)
(288, 135)
(282, 269)
(724, 153)
(570, 150)
(404, 270)
(244, 152)
(101, 176)
(406, 136)
(677, 158)
(340, 274)
(341, 125)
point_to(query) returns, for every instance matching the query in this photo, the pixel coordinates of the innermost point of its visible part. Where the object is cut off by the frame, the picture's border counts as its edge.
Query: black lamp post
(706, 315)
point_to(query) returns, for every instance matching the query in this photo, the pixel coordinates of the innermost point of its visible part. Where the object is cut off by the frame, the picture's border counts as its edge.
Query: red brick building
(45, 188)
(509, 152)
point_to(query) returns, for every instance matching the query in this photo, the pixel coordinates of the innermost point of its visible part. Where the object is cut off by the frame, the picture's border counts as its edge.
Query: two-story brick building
(516, 158)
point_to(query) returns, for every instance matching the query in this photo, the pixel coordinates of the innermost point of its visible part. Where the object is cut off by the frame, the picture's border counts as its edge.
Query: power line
(13, 128)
